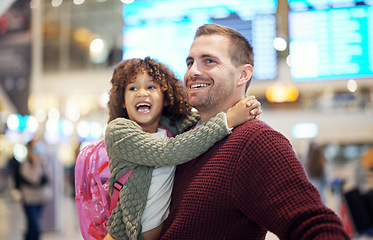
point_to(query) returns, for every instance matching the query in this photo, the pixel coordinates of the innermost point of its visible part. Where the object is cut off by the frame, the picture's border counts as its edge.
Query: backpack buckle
(118, 185)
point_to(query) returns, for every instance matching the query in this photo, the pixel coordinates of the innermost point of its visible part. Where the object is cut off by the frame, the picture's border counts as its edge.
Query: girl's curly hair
(127, 70)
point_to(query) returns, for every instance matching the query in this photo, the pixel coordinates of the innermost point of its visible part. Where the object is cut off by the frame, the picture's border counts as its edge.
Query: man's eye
(210, 61)
(189, 63)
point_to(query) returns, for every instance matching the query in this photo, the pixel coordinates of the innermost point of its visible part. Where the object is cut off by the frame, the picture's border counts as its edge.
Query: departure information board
(164, 29)
(301, 5)
(331, 43)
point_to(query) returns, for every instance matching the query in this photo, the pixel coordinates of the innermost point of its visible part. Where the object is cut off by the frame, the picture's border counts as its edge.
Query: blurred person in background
(367, 163)
(315, 167)
(34, 187)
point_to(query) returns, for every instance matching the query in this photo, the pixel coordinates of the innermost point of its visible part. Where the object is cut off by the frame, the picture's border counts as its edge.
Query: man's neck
(205, 116)
(206, 113)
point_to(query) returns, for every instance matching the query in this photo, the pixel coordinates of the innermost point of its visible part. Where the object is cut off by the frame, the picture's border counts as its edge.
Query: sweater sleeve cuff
(226, 123)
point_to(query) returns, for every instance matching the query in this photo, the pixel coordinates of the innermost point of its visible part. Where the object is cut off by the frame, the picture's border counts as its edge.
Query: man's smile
(199, 85)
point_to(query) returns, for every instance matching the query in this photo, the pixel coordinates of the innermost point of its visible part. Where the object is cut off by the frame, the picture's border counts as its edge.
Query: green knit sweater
(127, 149)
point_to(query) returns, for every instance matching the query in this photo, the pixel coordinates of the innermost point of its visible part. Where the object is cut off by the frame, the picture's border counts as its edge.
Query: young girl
(147, 92)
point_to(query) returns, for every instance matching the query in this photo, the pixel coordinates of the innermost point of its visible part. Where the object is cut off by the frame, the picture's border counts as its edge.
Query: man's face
(211, 78)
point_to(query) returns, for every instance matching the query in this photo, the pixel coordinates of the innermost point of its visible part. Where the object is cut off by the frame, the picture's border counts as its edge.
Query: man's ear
(246, 73)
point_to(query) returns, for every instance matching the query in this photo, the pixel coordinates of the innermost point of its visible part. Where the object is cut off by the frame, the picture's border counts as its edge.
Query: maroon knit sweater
(248, 183)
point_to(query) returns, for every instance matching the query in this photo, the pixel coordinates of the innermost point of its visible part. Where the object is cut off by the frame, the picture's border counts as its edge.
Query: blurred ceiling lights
(352, 85)
(280, 44)
(280, 92)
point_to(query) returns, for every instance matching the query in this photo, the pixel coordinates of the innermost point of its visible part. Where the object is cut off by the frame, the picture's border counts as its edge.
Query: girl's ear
(246, 74)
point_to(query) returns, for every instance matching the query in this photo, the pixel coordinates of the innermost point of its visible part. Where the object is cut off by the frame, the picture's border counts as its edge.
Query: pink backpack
(93, 201)
(92, 197)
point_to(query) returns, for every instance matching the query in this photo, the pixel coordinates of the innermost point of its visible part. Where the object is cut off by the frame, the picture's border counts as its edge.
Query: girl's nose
(142, 92)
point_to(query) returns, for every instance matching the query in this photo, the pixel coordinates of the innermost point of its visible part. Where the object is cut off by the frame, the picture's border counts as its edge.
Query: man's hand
(246, 109)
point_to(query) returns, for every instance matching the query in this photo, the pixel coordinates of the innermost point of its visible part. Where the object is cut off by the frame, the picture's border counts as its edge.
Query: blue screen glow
(164, 29)
(303, 5)
(332, 43)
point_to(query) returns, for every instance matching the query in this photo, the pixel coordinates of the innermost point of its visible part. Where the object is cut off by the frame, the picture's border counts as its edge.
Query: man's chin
(198, 104)
(193, 101)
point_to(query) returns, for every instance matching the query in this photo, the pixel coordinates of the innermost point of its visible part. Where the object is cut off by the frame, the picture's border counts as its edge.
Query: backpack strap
(118, 185)
(169, 134)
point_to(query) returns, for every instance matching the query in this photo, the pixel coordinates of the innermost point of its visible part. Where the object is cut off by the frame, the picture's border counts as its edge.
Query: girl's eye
(132, 89)
(152, 87)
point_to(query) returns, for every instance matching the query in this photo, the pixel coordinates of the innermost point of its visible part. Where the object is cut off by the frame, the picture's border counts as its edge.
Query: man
(251, 182)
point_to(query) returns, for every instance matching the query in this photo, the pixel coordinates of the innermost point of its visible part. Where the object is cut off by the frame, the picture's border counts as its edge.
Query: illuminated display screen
(302, 5)
(164, 29)
(331, 43)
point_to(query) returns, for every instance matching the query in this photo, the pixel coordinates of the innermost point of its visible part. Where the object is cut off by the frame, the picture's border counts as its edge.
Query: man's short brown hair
(240, 49)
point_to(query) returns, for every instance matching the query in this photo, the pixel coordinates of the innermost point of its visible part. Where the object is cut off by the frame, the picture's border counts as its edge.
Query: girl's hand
(246, 109)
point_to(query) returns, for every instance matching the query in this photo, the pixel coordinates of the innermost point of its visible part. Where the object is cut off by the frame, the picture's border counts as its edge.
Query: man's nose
(194, 70)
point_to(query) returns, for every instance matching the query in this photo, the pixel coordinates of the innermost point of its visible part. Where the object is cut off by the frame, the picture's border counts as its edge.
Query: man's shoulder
(258, 130)
(253, 125)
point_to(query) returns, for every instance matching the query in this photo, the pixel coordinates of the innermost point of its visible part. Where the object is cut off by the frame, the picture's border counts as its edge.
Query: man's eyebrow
(202, 56)
(206, 55)
(209, 56)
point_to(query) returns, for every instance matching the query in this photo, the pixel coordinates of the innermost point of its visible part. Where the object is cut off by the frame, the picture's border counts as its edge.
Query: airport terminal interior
(313, 76)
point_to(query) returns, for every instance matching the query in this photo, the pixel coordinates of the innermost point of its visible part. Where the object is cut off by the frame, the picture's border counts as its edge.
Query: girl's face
(144, 101)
